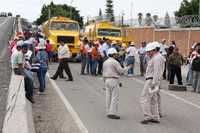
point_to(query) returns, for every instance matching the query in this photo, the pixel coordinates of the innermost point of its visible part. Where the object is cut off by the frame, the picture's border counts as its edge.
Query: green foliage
(109, 10)
(188, 8)
(59, 10)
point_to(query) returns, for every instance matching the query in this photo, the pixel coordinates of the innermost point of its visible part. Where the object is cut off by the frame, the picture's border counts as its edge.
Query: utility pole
(123, 17)
(71, 8)
(49, 13)
(199, 7)
(131, 14)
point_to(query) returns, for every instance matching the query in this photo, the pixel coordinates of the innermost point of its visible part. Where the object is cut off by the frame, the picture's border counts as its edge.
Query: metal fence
(184, 21)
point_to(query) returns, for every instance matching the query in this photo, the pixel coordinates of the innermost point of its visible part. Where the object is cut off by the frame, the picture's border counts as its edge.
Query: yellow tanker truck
(105, 29)
(62, 28)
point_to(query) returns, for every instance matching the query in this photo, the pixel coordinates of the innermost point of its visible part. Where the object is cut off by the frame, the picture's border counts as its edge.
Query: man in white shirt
(142, 54)
(130, 58)
(63, 55)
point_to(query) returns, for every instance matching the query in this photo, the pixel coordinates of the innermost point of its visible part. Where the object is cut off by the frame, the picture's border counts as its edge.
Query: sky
(30, 9)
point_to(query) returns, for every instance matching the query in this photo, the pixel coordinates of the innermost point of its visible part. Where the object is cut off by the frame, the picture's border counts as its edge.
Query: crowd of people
(158, 61)
(94, 53)
(31, 56)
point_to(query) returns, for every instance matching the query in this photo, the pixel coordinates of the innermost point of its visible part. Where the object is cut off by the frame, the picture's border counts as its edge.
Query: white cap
(157, 44)
(150, 46)
(132, 44)
(27, 42)
(19, 43)
(112, 51)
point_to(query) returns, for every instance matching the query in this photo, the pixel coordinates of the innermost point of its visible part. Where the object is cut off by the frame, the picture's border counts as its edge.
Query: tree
(188, 8)
(100, 12)
(59, 10)
(100, 17)
(167, 21)
(109, 10)
(148, 19)
(140, 18)
(155, 18)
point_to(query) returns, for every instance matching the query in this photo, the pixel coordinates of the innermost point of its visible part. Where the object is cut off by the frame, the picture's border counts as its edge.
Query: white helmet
(150, 46)
(112, 51)
(157, 44)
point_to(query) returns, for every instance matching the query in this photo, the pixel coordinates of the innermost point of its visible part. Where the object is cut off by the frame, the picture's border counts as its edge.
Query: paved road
(181, 114)
(5, 32)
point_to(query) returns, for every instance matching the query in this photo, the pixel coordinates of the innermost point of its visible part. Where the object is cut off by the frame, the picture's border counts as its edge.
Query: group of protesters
(94, 53)
(30, 57)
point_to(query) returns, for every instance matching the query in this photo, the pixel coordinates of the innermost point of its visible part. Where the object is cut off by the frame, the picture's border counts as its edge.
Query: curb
(19, 118)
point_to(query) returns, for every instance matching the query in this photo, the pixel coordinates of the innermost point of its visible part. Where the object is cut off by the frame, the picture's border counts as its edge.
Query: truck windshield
(64, 26)
(109, 32)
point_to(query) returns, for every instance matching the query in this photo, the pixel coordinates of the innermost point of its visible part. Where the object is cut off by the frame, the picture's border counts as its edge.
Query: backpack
(196, 64)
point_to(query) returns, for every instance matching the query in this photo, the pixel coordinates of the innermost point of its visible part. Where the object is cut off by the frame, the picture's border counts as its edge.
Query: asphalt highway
(87, 99)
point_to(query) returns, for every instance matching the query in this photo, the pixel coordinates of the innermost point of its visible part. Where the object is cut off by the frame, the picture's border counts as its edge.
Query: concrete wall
(184, 37)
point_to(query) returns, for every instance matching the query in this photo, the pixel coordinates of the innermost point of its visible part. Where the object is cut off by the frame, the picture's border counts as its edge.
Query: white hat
(27, 42)
(157, 45)
(132, 44)
(150, 46)
(32, 40)
(19, 43)
(112, 51)
(41, 45)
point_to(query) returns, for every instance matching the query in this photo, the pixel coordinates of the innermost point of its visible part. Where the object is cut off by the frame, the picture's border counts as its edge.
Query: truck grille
(65, 39)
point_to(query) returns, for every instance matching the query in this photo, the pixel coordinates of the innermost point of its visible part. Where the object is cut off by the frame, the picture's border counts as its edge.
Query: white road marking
(69, 107)
(172, 95)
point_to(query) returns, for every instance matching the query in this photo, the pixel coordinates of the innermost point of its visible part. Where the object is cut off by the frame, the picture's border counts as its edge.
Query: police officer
(111, 73)
(149, 96)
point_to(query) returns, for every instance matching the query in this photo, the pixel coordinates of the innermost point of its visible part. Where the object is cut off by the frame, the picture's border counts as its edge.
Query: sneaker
(30, 98)
(130, 75)
(145, 122)
(41, 93)
(70, 80)
(62, 77)
(154, 121)
(53, 78)
(113, 117)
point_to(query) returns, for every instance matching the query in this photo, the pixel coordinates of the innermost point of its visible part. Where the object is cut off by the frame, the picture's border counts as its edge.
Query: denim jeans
(196, 81)
(42, 80)
(29, 83)
(89, 64)
(131, 61)
(189, 74)
(94, 67)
